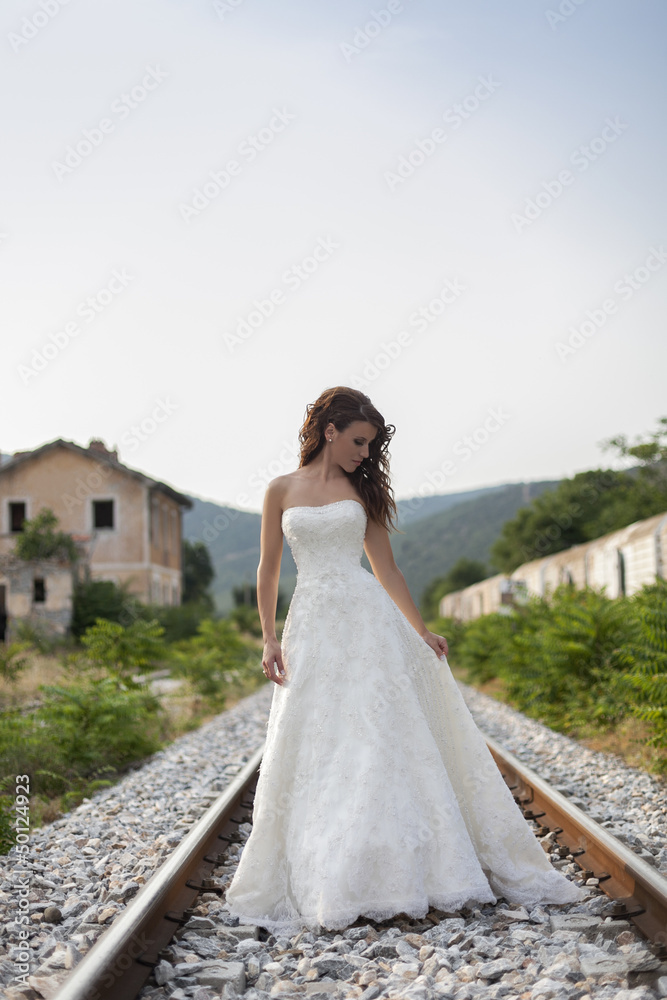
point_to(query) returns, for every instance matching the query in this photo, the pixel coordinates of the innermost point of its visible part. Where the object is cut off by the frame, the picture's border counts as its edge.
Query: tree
(648, 495)
(590, 504)
(245, 595)
(572, 513)
(651, 454)
(245, 612)
(198, 573)
(40, 540)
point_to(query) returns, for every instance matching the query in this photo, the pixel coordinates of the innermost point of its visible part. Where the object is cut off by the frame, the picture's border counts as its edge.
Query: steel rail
(121, 960)
(639, 891)
(119, 963)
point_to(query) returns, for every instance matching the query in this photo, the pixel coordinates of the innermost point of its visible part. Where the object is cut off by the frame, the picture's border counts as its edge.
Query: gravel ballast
(86, 866)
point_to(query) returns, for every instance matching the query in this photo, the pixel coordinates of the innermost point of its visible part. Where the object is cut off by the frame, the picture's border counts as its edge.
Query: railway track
(121, 961)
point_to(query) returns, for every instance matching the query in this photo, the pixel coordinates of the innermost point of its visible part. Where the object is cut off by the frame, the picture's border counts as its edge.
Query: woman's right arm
(268, 576)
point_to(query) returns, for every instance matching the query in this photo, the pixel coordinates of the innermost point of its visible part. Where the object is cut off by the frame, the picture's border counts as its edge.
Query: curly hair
(341, 406)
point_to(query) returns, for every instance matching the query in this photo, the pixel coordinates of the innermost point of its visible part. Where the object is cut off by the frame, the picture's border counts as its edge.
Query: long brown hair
(341, 406)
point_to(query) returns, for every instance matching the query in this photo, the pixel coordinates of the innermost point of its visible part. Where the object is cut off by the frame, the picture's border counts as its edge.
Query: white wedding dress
(377, 794)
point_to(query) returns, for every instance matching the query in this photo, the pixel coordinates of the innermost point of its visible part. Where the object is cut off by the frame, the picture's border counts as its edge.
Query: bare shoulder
(277, 490)
(283, 488)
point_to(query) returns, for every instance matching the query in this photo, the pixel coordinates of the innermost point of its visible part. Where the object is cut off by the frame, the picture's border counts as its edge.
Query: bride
(376, 794)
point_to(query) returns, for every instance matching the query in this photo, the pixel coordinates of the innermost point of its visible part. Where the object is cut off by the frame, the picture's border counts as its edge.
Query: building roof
(98, 452)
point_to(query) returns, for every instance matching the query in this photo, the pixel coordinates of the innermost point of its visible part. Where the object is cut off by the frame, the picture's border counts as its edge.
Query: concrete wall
(620, 562)
(54, 614)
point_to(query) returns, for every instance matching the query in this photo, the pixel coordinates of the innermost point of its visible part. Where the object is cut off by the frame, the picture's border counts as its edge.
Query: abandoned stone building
(127, 526)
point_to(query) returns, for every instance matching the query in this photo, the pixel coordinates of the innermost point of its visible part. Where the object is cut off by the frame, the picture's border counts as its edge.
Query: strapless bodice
(326, 540)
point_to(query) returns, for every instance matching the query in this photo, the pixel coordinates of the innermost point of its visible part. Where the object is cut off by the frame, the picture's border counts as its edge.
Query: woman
(377, 794)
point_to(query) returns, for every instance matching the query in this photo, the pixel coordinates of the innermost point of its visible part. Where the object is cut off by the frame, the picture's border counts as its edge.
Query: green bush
(567, 666)
(13, 660)
(453, 631)
(80, 737)
(98, 724)
(84, 732)
(216, 659)
(247, 619)
(121, 652)
(560, 659)
(39, 539)
(485, 647)
(93, 599)
(7, 816)
(645, 659)
(179, 621)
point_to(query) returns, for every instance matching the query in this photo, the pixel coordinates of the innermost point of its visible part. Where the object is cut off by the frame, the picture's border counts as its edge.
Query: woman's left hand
(438, 643)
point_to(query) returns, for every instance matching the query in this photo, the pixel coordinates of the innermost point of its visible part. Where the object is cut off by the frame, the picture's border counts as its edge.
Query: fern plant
(485, 647)
(215, 659)
(121, 651)
(13, 660)
(645, 659)
(566, 667)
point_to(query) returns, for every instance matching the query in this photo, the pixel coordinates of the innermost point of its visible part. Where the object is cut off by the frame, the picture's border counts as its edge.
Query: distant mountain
(418, 508)
(430, 547)
(437, 533)
(232, 538)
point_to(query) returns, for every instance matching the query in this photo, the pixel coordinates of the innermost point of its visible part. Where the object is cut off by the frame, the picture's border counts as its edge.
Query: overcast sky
(213, 211)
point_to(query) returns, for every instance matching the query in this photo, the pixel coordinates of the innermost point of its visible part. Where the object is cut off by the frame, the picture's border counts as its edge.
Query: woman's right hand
(272, 661)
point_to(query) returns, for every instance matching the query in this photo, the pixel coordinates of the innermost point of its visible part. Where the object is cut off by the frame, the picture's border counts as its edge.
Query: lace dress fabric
(377, 794)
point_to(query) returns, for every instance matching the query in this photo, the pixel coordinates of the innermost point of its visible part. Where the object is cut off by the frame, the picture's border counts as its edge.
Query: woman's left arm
(381, 558)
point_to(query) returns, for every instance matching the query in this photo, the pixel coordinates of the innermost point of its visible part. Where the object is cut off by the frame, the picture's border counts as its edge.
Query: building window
(103, 514)
(154, 522)
(621, 573)
(39, 590)
(16, 516)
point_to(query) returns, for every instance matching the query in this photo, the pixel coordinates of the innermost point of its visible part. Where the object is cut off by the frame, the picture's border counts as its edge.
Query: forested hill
(438, 531)
(431, 545)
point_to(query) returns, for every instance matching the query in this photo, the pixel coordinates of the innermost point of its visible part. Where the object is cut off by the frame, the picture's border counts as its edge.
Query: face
(350, 447)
